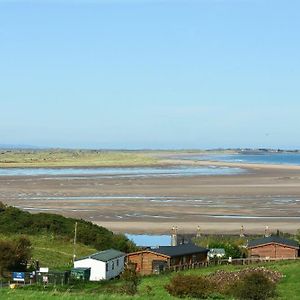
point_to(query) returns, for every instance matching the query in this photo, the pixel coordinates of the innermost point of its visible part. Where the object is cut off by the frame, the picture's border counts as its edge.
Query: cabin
(273, 247)
(153, 261)
(103, 265)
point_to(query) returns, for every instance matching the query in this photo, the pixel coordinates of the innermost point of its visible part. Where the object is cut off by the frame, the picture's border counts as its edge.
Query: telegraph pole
(74, 245)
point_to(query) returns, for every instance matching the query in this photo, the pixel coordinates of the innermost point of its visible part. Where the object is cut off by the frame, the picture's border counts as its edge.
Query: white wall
(98, 268)
(112, 273)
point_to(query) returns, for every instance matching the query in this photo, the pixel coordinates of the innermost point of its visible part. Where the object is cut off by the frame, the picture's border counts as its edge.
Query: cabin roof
(180, 250)
(273, 239)
(105, 255)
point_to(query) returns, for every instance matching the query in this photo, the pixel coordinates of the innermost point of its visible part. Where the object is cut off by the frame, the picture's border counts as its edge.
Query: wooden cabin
(273, 247)
(153, 261)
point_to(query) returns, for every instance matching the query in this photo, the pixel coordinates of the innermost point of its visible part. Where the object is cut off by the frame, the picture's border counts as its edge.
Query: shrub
(131, 281)
(255, 286)
(189, 286)
(226, 281)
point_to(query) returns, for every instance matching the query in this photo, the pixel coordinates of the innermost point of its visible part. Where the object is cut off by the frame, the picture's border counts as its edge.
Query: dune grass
(74, 158)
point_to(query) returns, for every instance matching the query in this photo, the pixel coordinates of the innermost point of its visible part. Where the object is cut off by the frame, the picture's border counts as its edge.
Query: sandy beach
(261, 195)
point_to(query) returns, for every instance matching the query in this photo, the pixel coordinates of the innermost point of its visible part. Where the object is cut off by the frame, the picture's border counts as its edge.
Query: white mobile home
(106, 264)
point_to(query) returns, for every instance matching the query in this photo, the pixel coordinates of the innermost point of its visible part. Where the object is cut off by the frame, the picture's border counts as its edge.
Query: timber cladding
(143, 261)
(273, 250)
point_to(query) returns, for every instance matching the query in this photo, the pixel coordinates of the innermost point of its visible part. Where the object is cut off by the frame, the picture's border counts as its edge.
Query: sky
(150, 74)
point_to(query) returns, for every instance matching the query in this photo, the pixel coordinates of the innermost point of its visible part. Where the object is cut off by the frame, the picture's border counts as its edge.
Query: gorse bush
(189, 286)
(255, 286)
(14, 220)
(226, 281)
(247, 284)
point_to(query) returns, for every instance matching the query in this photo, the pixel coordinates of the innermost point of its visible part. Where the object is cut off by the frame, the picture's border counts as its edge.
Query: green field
(52, 252)
(75, 158)
(153, 287)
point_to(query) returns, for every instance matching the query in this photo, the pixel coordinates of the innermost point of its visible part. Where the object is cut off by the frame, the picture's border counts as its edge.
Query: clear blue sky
(150, 74)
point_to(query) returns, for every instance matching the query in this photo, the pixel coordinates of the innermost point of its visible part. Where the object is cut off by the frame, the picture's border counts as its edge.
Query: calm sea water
(150, 240)
(120, 172)
(263, 158)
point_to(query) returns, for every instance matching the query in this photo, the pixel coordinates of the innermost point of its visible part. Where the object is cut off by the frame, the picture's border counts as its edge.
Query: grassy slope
(54, 253)
(289, 287)
(73, 158)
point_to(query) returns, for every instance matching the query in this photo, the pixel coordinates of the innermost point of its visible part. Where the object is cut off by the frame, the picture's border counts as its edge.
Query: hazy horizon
(150, 74)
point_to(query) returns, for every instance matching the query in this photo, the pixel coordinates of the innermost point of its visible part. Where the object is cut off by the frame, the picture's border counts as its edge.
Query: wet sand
(264, 195)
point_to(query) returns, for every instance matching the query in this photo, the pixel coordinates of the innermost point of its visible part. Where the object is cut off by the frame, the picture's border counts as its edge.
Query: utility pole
(75, 239)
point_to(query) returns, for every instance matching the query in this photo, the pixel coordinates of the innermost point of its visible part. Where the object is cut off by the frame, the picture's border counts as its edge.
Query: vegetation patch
(14, 220)
(251, 283)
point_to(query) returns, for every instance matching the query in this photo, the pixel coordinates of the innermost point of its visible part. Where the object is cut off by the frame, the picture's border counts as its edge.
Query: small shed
(103, 265)
(151, 261)
(273, 247)
(81, 273)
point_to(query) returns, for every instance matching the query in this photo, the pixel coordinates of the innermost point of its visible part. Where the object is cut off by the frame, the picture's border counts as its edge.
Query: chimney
(174, 236)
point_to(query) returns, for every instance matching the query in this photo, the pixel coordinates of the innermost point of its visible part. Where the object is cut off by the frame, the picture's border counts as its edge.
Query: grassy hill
(53, 252)
(15, 221)
(152, 287)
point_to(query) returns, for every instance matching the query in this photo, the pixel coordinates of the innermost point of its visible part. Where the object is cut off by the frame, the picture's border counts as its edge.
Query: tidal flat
(217, 196)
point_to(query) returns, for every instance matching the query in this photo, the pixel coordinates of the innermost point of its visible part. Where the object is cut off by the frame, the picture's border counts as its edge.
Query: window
(112, 265)
(106, 267)
(117, 262)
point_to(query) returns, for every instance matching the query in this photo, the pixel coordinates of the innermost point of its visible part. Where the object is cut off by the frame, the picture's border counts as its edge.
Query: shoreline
(164, 228)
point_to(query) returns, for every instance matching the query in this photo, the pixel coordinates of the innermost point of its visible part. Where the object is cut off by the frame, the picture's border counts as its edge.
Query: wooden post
(75, 240)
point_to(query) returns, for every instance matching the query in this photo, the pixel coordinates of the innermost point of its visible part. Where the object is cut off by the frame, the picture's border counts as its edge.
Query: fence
(234, 261)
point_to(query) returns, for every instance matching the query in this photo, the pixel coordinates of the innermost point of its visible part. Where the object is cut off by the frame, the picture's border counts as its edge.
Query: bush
(131, 281)
(189, 286)
(225, 282)
(254, 286)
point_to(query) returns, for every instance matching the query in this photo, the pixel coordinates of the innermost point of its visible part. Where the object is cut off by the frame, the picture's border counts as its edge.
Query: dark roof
(273, 239)
(105, 255)
(180, 250)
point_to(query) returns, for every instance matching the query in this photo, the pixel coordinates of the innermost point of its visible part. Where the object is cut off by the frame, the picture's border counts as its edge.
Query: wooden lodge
(273, 247)
(153, 261)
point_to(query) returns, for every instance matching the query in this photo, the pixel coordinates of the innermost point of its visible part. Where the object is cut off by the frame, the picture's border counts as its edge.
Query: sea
(121, 172)
(286, 158)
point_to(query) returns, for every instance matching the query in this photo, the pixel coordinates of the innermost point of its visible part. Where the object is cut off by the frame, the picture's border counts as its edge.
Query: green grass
(74, 158)
(288, 288)
(55, 253)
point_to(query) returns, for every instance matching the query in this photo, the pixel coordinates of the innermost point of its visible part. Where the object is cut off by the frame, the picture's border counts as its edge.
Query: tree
(22, 251)
(14, 255)
(6, 256)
